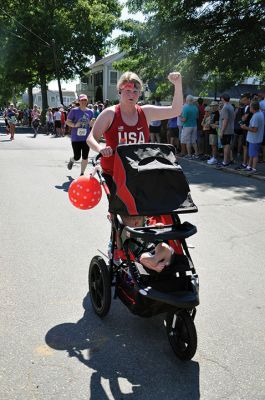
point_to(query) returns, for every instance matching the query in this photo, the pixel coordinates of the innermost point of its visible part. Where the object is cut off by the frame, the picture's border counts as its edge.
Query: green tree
(221, 40)
(80, 30)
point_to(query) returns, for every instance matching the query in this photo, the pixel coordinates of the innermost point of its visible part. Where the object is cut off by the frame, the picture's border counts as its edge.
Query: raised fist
(174, 77)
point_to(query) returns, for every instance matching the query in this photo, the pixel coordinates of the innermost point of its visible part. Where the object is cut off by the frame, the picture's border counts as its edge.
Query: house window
(98, 79)
(39, 99)
(52, 99)
(113, 77)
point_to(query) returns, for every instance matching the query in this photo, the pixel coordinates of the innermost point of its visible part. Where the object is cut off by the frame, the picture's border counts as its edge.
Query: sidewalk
(260, 174)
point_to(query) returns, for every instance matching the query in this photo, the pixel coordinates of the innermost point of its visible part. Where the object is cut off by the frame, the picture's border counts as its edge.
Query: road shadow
(206, 177)
(6, 140)
(65, 185)
(130, 354)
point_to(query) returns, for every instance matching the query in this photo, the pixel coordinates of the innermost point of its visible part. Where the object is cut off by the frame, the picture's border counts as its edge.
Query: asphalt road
(52, 344)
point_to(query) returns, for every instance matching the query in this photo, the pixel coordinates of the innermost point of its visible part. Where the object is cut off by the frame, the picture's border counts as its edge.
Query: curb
(258, 176)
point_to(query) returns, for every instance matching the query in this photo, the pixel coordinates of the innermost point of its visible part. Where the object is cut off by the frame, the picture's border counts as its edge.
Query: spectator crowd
(218, 132)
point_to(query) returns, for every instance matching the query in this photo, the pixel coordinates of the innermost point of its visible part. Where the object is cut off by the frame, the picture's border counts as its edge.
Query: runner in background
(79, 120)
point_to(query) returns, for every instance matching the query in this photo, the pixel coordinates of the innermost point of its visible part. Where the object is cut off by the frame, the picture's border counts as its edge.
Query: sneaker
(222, 165)
(212, 161)
(241, 166)
(70, 164)
(196, 157)
(188, 157)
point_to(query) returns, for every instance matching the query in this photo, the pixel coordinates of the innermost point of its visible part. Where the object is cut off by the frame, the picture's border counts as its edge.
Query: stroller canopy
(149, 181)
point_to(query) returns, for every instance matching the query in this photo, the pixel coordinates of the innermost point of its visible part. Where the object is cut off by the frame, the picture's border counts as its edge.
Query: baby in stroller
(159, 255)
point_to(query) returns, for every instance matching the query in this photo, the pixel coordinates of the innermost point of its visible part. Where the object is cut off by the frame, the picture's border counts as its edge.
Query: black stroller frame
(174, 291)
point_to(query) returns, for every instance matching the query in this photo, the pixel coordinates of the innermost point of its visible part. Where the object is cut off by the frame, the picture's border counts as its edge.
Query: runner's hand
(174, 77)
(107, 151)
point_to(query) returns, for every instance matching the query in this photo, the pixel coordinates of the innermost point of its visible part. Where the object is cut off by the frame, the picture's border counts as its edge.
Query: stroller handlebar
(95, 159)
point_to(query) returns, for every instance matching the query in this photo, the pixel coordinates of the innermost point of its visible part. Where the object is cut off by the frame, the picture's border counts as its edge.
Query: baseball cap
(214, 103)
(262, 104)
(82, 97)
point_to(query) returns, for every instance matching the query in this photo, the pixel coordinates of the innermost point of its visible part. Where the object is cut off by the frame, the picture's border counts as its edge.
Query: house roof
(107, 60)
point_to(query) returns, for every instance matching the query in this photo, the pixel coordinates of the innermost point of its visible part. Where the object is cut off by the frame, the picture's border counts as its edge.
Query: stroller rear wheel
(99, 286)
(181, 334)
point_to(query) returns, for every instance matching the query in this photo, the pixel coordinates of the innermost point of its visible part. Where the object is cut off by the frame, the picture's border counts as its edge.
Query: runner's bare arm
(101, 125)
(153, 113)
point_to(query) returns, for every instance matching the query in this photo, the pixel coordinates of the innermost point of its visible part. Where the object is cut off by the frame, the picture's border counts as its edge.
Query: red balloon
(85, 192)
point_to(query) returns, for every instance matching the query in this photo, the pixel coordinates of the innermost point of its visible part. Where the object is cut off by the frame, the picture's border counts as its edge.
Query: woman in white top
(49, 122)
(57, 122)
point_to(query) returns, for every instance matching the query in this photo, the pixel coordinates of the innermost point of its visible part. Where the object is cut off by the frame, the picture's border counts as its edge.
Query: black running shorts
(80, 148)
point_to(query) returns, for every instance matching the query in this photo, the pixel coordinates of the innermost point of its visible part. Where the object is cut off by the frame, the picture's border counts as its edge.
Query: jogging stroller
(149, 182)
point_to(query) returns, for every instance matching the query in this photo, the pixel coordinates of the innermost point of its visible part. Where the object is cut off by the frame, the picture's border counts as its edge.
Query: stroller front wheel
(181, 334)
(99, 286)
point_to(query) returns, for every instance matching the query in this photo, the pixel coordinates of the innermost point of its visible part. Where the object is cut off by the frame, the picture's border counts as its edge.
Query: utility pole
(57, 71)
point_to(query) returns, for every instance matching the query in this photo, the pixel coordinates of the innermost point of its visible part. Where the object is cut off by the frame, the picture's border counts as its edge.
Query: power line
(29, 30)
(14, 34)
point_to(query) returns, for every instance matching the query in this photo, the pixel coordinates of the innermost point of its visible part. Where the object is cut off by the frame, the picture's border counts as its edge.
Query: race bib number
(81, 132)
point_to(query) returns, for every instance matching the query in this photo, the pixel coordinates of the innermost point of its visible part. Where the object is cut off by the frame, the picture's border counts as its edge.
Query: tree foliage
(80, 29)
(223, 40)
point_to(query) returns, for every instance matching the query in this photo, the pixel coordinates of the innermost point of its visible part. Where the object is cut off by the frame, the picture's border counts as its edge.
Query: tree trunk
(97, 57)
(44, 97)
(30, 96)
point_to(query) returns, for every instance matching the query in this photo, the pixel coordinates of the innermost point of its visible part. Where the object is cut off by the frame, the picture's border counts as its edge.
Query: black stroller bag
(144, 170)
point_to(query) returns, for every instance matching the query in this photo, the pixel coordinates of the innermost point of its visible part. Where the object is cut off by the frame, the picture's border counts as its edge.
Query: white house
(101, 75)
(53, 97)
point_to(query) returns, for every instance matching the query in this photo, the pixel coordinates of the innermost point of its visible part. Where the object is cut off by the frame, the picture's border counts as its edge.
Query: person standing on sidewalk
(35, 115)
(79, 119)
(245, 118)
(213, 138)
(255, 132)
(49, 122)
(57, 123)
(189, 117)
(227, 117)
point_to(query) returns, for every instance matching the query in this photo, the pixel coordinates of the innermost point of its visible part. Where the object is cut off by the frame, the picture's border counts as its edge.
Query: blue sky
(70, 85)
